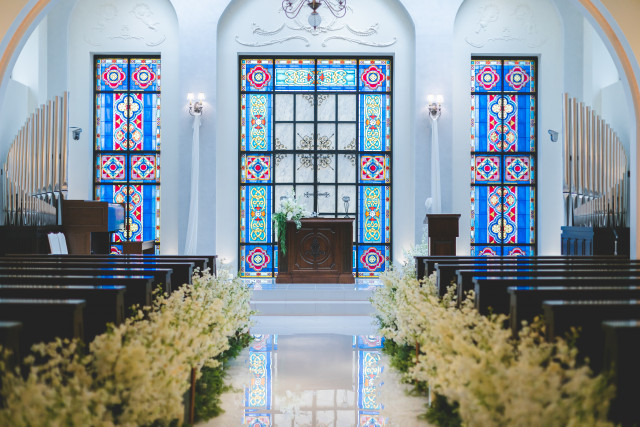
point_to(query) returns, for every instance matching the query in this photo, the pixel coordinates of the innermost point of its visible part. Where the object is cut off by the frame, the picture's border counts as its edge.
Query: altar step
(312, 300)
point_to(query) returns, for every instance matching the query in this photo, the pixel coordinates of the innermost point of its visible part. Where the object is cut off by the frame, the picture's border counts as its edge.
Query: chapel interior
(519, 120)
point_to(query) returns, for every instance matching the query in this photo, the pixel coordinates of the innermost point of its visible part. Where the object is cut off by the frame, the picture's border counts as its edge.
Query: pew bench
(492, 292)
(43, 320)
(621, 357)
(10, 332)
(465, 277)
(181, 273)
(139, 288)
(104, 304)
(526, 301)
(561, 316)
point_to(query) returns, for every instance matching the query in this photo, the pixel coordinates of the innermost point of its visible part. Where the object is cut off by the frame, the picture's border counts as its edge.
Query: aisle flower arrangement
(136, 373)
(290, 210)
(477, 373)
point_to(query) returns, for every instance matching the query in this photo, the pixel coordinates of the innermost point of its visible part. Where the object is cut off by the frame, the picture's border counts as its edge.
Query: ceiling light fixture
(293, 7)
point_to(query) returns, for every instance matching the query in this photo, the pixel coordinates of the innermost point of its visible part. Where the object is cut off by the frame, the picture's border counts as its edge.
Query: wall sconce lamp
(195, 107)
(434, 105)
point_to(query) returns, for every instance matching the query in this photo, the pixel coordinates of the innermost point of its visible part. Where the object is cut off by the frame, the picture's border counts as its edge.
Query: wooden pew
(44, 320)
(447, 272)
(10, 332)
(583, 270)
(181, 271)
(621, 357)
(465, 276)
(139, 288)
(161, 277)
(104, 304)
(425, 265)
(526, 301)
(492, 292)
(561, 316)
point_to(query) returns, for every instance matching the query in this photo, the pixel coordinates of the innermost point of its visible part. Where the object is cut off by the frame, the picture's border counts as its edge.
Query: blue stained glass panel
(145, 74)
(374, 216)
(145, 134)
(111, 168)
(486, 75)
(337, 74)
(375, 122)
(372, 260)
(486, 169)
(256, 169)
(256, 261)
(375, 75)
(519, 169)
(486, 251)
(374, 169)
(522, 122)
(295, 74)
(112, 74)
(483, 212)
(257, 122)
(519, 75)
(257, 225)
(111, 126)
(257, 75)
(518, 251)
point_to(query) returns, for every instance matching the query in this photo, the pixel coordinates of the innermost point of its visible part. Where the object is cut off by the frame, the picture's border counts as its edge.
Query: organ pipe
(36, 170)
(596, 169)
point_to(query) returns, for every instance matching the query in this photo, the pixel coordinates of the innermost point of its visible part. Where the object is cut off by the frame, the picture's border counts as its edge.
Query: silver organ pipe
(596, 171)
(35, 170)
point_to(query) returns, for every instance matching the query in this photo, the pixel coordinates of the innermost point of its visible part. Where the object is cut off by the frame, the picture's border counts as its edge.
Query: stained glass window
(503, 156)
(320, 127)
(127, 143)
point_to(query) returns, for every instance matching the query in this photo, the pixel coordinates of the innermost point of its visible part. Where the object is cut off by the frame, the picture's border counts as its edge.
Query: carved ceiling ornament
(114, 21)
(512, 22)
(351, 35)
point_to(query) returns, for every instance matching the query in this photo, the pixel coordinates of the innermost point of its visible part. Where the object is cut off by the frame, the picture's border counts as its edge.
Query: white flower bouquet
(290, 210)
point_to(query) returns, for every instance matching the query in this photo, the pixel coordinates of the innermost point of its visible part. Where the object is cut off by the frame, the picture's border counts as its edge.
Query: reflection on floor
(315, 362)
(316, 380)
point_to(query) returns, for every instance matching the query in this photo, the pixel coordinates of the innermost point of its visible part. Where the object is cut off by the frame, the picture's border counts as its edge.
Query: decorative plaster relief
(322, 29)
(113, 23)
(505, 23)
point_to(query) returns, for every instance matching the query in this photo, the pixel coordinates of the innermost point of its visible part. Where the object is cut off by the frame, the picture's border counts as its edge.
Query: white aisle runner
(316, 371)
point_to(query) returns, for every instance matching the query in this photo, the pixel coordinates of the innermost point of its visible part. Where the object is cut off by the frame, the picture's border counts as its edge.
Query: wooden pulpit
(443, 231)
(321, 251)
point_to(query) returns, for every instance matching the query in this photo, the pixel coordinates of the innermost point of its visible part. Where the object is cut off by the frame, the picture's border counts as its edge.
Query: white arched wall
(122, 27)
(433, 60)
(235, 32)
(526, 28)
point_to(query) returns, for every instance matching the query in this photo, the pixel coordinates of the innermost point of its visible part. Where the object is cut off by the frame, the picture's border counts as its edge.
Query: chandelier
(292, 8)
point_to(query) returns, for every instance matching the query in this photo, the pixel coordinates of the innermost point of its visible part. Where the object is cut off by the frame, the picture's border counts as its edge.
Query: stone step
(303, 294)
(312, 308)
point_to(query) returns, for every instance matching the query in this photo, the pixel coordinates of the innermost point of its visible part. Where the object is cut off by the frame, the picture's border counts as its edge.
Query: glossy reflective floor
(316, 371)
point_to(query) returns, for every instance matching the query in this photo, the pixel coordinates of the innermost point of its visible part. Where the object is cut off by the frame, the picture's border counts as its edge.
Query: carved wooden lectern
(443, 230)
(321, 251)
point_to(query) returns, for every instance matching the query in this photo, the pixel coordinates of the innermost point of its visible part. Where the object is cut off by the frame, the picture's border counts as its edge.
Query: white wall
(124, 27)
(236, 30)
(503, 27)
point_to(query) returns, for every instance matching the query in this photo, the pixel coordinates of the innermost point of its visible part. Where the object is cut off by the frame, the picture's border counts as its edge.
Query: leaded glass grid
(321, 127)
(503, 156)
(127, 143)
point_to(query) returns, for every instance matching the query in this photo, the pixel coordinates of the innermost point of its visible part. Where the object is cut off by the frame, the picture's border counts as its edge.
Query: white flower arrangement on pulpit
(290, 210)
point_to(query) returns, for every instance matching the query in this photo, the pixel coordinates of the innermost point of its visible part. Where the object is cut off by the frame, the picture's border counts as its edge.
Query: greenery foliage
(138, 372)
(476, 372)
